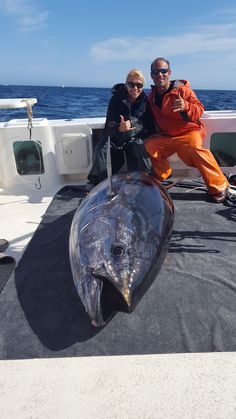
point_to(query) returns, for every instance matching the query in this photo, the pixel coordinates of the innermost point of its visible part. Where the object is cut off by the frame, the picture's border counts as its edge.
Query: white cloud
(26, 13)
(227, 13)
(205, 39)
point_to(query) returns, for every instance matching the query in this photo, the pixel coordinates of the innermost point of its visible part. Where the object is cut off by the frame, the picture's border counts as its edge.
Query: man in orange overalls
(177, 112)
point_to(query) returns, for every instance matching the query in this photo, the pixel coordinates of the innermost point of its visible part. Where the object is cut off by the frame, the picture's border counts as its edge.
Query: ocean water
(84, 102)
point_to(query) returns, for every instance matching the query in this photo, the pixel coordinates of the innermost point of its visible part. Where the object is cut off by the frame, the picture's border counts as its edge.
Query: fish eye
(118, 250)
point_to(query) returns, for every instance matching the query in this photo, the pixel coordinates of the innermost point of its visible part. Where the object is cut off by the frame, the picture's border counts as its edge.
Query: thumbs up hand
(124, 125)
(179, 104)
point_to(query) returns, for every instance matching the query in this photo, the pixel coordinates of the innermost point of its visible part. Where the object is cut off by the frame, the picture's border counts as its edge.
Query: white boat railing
(17, 103)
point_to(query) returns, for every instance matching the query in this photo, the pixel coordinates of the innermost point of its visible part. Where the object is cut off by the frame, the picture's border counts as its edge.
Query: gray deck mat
(190, 307)
(7, 264)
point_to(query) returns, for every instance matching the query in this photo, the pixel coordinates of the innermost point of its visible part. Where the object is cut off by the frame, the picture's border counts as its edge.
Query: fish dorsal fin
(109, 168)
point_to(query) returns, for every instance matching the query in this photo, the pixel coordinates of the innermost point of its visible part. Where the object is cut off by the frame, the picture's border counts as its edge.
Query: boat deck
(168, 346)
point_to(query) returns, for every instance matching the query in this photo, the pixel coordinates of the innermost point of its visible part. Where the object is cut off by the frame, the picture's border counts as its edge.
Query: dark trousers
(135, 155)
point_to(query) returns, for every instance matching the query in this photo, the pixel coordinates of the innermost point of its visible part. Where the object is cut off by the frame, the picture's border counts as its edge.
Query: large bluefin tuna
(118, 243)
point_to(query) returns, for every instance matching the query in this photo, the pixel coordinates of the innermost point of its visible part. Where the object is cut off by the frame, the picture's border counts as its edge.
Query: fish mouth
(112, 298)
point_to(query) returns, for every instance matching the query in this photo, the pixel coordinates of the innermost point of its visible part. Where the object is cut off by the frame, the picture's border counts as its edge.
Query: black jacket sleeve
(114, 110)
(139, 113)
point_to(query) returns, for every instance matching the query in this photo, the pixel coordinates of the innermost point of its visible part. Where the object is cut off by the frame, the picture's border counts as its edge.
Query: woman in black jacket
(128, 123)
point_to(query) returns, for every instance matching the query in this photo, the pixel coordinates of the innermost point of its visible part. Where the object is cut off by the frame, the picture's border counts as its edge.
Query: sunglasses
(156, 71)
(132, 85)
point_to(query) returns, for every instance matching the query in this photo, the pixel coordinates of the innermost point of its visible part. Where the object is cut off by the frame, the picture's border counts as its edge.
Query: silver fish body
(117, 244)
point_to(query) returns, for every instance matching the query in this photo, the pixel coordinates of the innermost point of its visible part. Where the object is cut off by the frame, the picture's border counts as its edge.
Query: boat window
(28, 157)
(223, 146)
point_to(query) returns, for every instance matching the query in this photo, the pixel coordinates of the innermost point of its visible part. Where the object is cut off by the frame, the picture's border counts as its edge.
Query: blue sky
(95, 43)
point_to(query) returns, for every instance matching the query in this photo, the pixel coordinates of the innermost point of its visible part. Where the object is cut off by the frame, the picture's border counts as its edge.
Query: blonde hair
(135, 73)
